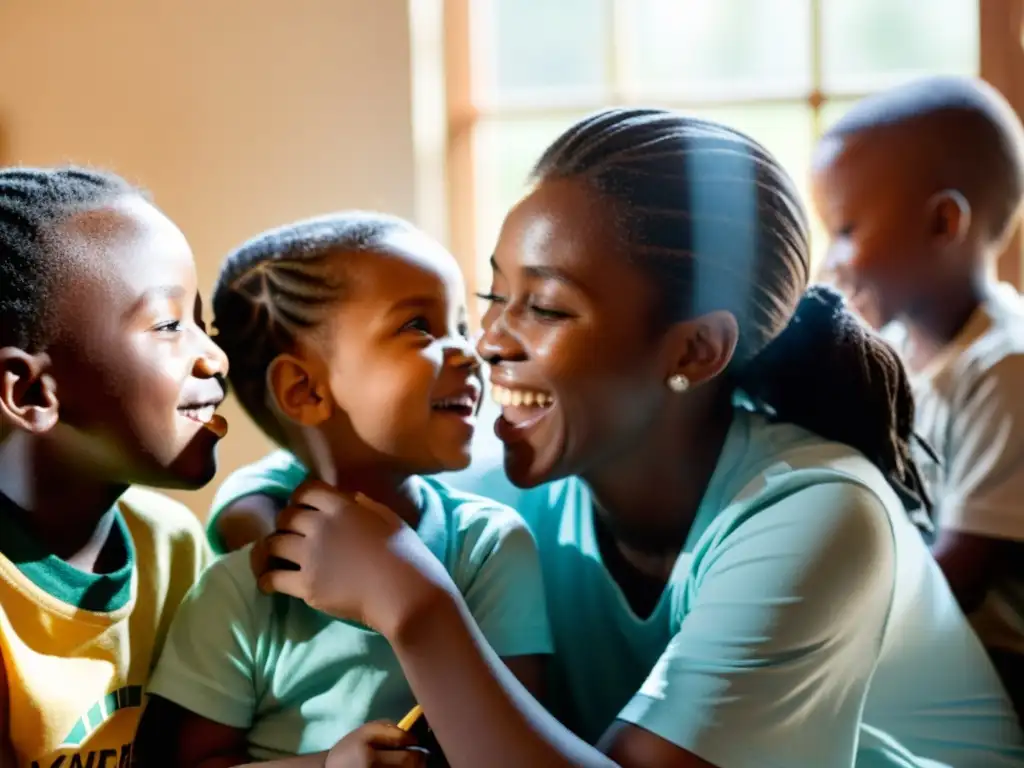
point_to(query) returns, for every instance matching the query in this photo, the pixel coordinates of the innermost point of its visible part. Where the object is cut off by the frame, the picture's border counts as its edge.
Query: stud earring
(678, 383)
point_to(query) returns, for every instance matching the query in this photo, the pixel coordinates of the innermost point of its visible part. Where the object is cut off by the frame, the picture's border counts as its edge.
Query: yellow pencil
(410, 719)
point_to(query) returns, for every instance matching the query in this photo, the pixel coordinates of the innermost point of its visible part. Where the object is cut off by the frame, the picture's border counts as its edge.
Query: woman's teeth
(520, 397)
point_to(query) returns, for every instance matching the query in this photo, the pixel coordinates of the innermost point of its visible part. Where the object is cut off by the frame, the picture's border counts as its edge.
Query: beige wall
(237, 114)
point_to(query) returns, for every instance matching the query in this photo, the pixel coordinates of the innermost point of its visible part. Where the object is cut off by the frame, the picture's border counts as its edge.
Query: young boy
(107, 380)
(921, 189)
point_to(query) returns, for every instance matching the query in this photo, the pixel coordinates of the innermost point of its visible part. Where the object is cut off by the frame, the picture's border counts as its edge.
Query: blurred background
(243, 114)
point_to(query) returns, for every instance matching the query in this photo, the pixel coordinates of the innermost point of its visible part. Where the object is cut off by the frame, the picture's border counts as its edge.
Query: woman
(717, 467)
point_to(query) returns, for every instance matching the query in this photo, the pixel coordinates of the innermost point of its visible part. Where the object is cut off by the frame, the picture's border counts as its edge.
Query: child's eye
(463, 330)
(845, 231)
(491, 298)
(171, 326)
(417, 324)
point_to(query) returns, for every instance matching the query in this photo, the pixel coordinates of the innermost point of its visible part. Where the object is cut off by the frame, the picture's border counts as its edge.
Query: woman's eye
(548, 313)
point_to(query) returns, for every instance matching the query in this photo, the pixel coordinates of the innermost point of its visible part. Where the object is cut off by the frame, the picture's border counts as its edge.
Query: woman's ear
(28, 391)
(300, 391)
(701, 348)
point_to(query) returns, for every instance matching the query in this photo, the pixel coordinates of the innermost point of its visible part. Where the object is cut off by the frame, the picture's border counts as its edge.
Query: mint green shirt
(299, 680)
(805, 624)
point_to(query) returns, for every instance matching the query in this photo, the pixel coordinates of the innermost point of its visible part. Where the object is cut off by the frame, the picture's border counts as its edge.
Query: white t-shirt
(970, 409)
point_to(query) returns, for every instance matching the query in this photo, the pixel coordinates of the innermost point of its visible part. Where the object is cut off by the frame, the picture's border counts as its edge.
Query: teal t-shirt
(299, 680)
(805, 623)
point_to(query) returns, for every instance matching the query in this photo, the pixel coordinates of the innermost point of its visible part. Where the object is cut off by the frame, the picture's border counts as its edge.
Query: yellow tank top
(78, 647)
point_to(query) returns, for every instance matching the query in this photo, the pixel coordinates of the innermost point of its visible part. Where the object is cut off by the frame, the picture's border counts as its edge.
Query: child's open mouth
(206, 415)
(522, 408)
(463, 405)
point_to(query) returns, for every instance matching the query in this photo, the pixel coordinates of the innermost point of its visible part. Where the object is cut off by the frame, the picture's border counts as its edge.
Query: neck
(648, 495)
(392, 489)
(371, 477)
(935, 323)
(69, 511)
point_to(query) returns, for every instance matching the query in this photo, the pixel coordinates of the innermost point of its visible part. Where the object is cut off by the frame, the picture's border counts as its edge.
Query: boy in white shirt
(921, 188)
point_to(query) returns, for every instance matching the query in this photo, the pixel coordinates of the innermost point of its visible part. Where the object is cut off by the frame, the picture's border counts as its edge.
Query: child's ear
(298, 391)
(950, 216)
(28, 392)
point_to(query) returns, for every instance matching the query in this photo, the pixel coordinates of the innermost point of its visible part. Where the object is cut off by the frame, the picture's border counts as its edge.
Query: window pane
(868, 44)
(715, 49)
(505, 152)
(539, 48)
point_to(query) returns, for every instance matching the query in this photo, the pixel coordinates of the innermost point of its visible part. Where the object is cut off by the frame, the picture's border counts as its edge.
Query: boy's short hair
(970, 131)
(33, 201)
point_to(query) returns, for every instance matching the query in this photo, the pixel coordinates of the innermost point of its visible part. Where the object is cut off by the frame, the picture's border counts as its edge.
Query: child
(107, 380)
(920, 188)
(348, 340)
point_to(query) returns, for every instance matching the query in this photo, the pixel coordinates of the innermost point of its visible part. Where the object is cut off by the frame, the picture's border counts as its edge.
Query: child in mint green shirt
(347, 342)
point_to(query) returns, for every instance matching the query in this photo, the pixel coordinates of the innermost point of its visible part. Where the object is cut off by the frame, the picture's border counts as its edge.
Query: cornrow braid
(718, 224)
(32, 202)
(279, 284)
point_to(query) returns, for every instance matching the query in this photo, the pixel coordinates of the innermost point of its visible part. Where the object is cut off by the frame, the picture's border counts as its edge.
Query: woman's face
(577, 364)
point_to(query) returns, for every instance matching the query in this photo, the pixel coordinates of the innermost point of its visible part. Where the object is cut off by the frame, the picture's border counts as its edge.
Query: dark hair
(970, 135)
(277, 285)
(718, 224)
(33, 201)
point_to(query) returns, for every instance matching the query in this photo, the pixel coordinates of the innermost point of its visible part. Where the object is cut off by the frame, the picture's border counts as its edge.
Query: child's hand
(376, 744)
(353, 559)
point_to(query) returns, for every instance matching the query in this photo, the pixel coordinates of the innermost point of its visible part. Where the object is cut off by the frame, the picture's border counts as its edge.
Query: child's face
(135, 371)
(874, 208)
(401, 370)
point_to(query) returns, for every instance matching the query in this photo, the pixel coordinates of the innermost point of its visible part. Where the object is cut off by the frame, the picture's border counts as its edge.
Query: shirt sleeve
(278, 474)
(984, 489)
(771, 664)
(207, 665)
(503, 590)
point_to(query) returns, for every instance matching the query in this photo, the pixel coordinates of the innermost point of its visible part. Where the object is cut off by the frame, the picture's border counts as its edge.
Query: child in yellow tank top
(107, 380)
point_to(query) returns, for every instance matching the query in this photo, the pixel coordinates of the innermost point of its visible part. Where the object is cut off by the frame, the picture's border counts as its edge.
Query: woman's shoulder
(778, 458)
(786, 474)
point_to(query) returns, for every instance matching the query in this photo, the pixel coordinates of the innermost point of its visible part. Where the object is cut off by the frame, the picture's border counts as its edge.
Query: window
(780, 70)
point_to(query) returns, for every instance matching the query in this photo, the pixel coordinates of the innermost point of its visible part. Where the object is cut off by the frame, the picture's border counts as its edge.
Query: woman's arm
(801, 596)
(480, 712)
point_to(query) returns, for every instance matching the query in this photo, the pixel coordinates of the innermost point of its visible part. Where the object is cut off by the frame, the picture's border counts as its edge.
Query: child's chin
(192, 472)
(450, 461)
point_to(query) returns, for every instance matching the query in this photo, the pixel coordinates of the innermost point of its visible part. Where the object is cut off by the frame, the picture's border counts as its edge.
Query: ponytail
(829, 373)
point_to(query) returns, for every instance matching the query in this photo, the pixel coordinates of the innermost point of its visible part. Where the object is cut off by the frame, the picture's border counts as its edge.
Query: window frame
(1001, 46)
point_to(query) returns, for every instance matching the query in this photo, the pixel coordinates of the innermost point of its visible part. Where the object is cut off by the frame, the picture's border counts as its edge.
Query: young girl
(348, 340)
